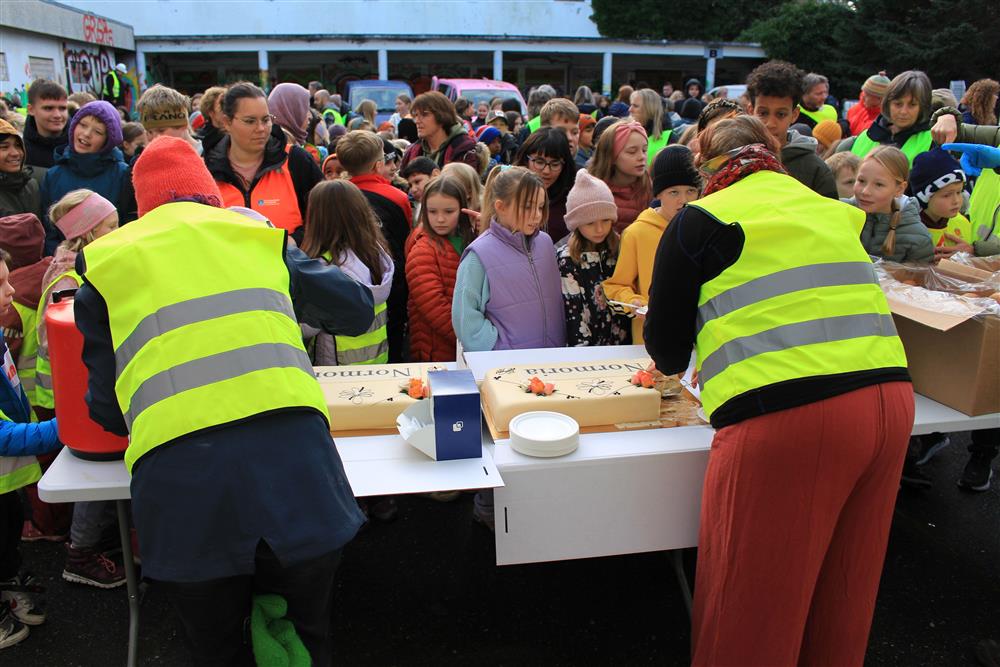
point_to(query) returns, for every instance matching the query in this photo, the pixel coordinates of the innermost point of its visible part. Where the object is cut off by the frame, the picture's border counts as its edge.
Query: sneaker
(977, 473)
(93, 568)
(913, 477)
(12, 631)
(30, 533)
(930, 445)
(26, 605)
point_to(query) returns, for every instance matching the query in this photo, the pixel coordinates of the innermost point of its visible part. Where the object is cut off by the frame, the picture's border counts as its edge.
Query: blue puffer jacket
(104, 173)
(18, 436)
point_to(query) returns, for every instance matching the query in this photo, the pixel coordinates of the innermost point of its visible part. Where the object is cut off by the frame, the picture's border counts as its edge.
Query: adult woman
(403, 103)
(546, 153)
(584, 100)
(904, 121)
(19, 191)
(367, 109)
(91, 160)
(289, 103)
(249, 163)
(443, 137)
(646, 108)
(805, 381)
(980, 102)
(620, 161)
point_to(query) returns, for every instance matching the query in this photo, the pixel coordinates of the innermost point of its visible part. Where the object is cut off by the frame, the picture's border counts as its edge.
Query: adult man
(113, 90)
(813, 107)
(330, 111)
(667, 91)
(236, 483)
(45, 126)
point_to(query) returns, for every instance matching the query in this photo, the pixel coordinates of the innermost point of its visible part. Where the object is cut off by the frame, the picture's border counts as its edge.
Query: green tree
(699, 20)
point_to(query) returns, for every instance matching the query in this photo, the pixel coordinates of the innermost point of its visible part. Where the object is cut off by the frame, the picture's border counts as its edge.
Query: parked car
(478, 90)
(382, 92)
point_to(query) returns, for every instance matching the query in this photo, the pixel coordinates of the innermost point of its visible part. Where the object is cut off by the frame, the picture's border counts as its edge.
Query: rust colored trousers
(795, 519)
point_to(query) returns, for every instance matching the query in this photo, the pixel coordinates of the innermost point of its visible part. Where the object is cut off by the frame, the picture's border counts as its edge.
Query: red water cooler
(85, 437)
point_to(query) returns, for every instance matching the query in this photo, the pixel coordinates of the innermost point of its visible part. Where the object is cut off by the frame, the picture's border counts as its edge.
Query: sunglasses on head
(713, 165)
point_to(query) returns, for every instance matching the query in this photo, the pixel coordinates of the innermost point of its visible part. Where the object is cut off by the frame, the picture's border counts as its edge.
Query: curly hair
(775, 78)
(979, 99)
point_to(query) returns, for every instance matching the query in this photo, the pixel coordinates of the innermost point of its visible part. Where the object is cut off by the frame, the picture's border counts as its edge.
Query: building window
(3, 67)
(42, 68)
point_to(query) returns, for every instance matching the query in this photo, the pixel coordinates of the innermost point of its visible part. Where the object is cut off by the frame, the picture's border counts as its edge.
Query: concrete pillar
(140, 70)
(262, 65)
(709, 73)
(383, 64)
(606, 75)
(498, 65)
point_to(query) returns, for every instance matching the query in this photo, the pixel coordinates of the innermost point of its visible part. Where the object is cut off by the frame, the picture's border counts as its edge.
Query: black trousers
(215, 612)
(986, 442)
(11, 520)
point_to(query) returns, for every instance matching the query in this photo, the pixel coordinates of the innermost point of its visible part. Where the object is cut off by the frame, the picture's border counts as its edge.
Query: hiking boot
(977, 473)
(12, 631)
(930, 445)
(26, 605)
(31, 533)
(913, 477)
(93, 568)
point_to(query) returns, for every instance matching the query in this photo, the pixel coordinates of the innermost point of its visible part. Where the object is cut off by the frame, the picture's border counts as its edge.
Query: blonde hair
(559, 107)
(368, 109)
(602, 163)
(210, 99)
(484, 155)
(652, 111)
(843, 160)
(160, 99)
(68, 202)
(896, 163)
(469, 178)
(513, 185)
(358, 151)
(579, 244)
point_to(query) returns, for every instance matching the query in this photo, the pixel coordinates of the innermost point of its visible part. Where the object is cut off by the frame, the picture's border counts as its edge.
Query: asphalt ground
(425, 590)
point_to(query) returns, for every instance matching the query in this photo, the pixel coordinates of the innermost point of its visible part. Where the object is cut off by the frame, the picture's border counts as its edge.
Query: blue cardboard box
(448, 425)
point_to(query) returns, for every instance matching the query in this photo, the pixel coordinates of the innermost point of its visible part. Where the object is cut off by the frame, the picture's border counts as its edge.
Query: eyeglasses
(541, 165)
(715, 164)
(254, 122)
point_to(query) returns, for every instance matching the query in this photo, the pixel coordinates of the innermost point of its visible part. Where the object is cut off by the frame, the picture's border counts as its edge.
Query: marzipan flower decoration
(539, 388)
(643, 379)
(415, 388)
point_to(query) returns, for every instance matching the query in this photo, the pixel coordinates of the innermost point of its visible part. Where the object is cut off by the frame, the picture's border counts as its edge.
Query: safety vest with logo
(116, 87)
(825, 112)
(914, 146)
(958, 226)
(17, 471)
(656, 145)
(207, 342)
(371, 347)
(984, 205)
(27, 361)
(801, 300)
(44, 398)
(338, 119)
(273, 195)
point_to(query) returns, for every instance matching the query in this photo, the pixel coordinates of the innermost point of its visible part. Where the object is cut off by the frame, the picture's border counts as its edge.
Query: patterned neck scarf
(747, 160)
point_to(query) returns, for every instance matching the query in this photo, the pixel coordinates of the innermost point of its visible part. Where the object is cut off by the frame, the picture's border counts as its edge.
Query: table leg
(130, 581)
(677, 559)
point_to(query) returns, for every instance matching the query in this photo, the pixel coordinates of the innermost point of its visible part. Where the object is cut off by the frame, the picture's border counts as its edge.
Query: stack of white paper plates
(544, 434)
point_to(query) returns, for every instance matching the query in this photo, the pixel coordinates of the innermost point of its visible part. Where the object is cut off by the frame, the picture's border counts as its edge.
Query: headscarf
(289, 102)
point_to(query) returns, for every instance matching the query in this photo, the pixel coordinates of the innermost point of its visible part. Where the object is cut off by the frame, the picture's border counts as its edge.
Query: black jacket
(39, 150)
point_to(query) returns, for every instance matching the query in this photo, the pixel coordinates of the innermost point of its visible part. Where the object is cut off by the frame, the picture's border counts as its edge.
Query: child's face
(442, 213)
(777, 114)
(331, 169)
(11, 155)
(875, 188)
(89, 135)
(673, 199)
(572, 129)
(946, 203)
(130, 147)
(495, 147)
(845, 182)
(419, 181)
(389, 168)
(108, 225)
(631, 161)
(526, 221)
(6, 289)
(587, 137)
(596, 231)
(904, 112)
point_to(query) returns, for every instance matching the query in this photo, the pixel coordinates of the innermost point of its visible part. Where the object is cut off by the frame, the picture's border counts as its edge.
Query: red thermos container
(85, 437)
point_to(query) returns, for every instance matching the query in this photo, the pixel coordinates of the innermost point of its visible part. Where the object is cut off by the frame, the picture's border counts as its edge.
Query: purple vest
(525, 302)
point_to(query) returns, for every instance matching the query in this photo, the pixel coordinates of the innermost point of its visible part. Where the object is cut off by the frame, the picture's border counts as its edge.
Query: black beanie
(674, 165)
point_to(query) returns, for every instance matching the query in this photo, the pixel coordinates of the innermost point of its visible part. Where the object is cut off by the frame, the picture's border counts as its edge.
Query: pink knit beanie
(590, 200)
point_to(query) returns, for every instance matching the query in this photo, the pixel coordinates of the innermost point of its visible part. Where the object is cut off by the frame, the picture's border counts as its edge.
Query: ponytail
(889, 246)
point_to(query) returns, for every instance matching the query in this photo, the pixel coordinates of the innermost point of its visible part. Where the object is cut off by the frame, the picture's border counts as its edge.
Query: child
(493, 139)
(675, 182)
(937, 181)
(827, 134)
(844, 166)
(133, 138)
(620, 161)
(586, 149)
(442, 234)
(587, 259)
(418, 173)
(774, 89)
(331, 168)
(892, 228)
(469, 179)
(20, 441)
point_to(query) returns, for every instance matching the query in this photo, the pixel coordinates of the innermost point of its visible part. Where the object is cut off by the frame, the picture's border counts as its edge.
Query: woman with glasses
(546, 153)
(256, 166)
(805, 381)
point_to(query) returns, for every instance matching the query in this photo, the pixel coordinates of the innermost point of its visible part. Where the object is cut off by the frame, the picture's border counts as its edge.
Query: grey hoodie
(804, 165)
(913, 241)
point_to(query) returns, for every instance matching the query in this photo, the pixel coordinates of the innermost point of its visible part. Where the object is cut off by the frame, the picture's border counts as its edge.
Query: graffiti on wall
(86, 67)
(97, 31)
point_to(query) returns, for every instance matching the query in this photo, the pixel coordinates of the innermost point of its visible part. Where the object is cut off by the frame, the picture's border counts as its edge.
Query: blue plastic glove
(970, 171)
(980, 157)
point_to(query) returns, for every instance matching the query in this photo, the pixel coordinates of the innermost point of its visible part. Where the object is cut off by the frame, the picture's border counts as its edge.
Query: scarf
(749, 160)
(289, 102)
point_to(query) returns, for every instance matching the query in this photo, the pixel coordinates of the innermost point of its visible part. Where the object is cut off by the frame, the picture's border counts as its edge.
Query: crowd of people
(670, 219)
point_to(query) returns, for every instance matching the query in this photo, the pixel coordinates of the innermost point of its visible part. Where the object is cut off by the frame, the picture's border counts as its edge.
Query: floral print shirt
(589, 319)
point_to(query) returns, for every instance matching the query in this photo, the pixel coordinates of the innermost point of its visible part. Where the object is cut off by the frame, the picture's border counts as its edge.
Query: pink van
(478, 90)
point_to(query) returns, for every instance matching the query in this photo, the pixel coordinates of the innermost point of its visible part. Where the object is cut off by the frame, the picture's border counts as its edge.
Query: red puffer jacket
(431, 266)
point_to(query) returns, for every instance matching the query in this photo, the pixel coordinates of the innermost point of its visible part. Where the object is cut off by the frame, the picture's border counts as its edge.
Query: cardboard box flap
(967, 273)
(942, 319)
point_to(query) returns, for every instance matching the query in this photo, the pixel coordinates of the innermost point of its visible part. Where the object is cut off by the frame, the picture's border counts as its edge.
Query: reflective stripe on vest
(206, 343)
(371, 347)
(656, 145)
(914, 146)
(273, 196)
(27, 365)
(801, 300)
(44, 398)
(116, 86)
(825, 112)
(17, 471)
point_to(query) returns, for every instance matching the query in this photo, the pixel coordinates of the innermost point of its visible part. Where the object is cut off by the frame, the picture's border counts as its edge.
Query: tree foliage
(679, 20)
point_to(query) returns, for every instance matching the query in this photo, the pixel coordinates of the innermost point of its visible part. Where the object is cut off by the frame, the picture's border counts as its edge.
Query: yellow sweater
(634, 270)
